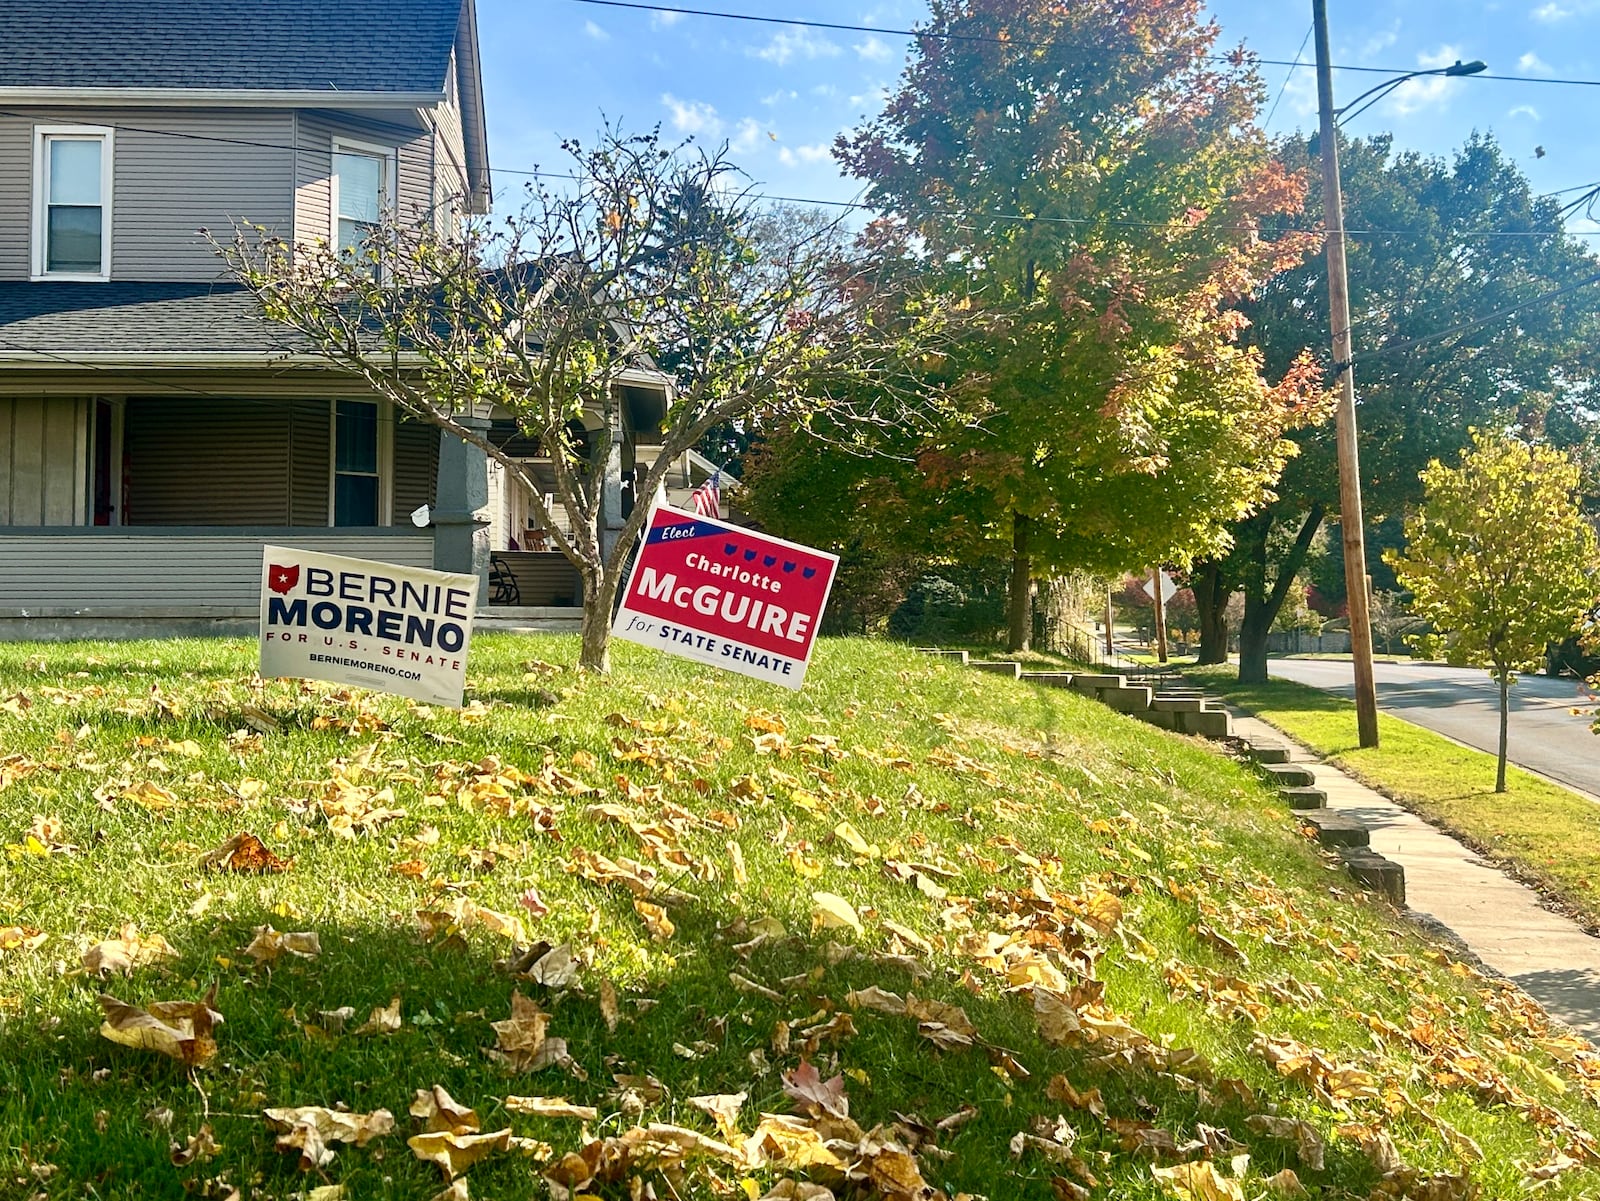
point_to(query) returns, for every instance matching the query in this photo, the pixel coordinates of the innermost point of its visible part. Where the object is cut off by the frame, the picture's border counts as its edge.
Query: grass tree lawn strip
(1547, 835)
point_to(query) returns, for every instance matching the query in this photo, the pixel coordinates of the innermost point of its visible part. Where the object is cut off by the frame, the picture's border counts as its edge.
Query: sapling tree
(1500, 559)
(639, 259)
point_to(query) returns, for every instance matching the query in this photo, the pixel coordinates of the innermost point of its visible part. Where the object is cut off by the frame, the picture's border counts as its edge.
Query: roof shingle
(300, 45)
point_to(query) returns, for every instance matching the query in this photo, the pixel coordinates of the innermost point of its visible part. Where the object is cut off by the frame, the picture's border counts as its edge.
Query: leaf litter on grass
(956, 956)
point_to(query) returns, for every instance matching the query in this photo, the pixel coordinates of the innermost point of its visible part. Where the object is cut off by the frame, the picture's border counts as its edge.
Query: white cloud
(825, 89)
(1380, 42)
(1414, 95)
(693, 116)
(594, 31)
(796, 43)
(1524, 110)
(1551, 13)
(745, 136)
(1300, 91)
(781, 96)
(804, 154)
(663, 20)
(1532, 64)
(877, 94)
(874, 49)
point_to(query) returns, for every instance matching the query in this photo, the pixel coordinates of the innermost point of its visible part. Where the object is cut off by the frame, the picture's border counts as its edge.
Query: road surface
(1464, 703)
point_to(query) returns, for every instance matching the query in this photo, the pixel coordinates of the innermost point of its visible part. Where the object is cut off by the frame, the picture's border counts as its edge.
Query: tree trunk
(1261, 606)
(599, 590)
(1505, 705)
(1211, 600)
(1018, 619)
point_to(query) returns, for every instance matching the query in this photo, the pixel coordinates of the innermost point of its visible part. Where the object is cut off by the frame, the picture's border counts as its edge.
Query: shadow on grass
(99, 1113)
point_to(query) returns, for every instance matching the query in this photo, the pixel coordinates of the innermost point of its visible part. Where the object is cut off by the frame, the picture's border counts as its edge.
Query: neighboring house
(154, 430)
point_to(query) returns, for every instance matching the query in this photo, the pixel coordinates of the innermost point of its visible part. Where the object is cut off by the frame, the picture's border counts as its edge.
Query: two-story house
(154, 430)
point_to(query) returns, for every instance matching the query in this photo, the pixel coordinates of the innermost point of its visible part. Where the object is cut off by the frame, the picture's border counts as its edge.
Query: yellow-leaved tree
(1500, 560)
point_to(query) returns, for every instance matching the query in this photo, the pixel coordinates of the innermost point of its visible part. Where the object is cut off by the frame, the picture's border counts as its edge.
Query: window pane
(360, 185)
(355, 500)
(74, 170)
(356, 437)
(353, 236)
(73, 240)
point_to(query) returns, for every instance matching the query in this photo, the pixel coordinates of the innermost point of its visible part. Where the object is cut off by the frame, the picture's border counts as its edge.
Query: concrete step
(1268, 752)
(1289, 775)
(936, 652)
(1304, 798)
(1087, 682)
(1049, 679)
(1381, 875)
(1336, 829)
(1208, 723)
(1167, 703)
(1000, 667)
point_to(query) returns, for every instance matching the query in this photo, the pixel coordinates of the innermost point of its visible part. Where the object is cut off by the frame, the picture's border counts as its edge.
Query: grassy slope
(1546, 833)
(1020, 794)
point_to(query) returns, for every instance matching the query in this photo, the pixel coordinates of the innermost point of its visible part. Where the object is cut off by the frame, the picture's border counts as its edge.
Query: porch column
(461, 492)
(611, 498)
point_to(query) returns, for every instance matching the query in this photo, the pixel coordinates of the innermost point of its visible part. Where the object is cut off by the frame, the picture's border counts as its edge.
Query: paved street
(1464, 704)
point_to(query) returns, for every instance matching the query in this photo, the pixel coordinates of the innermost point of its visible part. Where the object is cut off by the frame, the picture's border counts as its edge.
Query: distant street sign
(1168, 588)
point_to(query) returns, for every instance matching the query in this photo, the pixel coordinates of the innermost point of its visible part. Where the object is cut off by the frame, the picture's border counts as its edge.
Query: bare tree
(642, 257)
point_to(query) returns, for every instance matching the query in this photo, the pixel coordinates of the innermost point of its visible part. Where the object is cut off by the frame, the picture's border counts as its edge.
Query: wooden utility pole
(1157, 579)
(1111, 648)
(1351, 525)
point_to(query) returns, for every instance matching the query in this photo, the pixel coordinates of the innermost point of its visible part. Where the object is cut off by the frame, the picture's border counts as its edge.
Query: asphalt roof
(353, 45)
(137, 319)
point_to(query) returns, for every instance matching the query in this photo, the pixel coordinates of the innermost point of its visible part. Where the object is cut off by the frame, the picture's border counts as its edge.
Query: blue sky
(780, 93)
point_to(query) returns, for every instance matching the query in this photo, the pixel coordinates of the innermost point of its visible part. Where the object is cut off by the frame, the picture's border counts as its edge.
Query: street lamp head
(1373, 94)
(1460, 68)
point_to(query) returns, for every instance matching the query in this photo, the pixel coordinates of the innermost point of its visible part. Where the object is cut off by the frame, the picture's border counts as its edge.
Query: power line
(1283, 88)
(924, 34)
(859, 205)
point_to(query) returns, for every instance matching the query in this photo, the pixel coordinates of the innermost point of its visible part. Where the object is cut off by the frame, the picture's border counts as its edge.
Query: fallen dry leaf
(385, 1019)
(1285, 1184)
(455, 1153)
(813, 1095)
(551, 1107)
(832, 912)
(269, 945)
(310, 1129)
(21, 938)
(1198, 1181)
(438, 1110)
(130, 950)
(520, 1039)
(201, 1146)
(179, 1029)
(244, 853)
(723, 1109)
(655, 919)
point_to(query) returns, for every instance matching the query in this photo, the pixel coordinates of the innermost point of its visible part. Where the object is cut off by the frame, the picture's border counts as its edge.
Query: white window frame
(385, 459)
(41, 198)
(388, 184)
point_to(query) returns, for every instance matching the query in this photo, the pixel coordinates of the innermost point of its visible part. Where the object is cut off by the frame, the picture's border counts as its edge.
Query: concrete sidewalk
(1500, 920)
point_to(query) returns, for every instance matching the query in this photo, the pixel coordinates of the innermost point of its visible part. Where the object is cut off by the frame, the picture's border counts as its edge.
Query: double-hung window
(72, 202)
(360, 449)
(363, 188)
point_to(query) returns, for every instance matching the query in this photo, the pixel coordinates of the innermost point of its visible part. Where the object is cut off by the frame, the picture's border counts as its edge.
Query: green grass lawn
(915, 925)
(1547, 834)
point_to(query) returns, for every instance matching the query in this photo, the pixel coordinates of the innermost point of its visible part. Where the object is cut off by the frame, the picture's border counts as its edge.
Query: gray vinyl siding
(313, 168)
(175, 172)
(450, 154)
(168, 572)
(206, 462)
(416, 467)
(43, 461)
(307, 450)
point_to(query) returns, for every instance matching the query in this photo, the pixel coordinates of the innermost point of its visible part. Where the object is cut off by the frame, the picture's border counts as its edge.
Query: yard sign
(727, 596)
(375, 625)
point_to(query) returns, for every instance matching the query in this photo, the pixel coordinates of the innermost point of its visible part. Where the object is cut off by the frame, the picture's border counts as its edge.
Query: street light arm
(1377, 93)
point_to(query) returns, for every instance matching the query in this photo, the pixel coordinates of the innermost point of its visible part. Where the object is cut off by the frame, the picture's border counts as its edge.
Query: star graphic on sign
(281, 579)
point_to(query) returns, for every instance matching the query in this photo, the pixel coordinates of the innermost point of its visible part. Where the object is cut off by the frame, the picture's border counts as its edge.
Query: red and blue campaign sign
(727, 596)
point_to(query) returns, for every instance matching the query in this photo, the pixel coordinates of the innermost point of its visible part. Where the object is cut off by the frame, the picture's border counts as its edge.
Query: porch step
(1304, 798)
(1336, 829)
(1375, 871)
(1288, 775)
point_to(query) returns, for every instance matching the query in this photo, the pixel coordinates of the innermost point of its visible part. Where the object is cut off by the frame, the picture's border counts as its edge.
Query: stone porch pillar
(461, 492)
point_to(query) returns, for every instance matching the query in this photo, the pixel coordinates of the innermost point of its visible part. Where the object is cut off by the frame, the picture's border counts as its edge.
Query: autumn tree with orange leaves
(1087, 177)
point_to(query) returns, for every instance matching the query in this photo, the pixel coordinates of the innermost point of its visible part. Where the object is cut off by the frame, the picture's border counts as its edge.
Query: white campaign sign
(404, 630)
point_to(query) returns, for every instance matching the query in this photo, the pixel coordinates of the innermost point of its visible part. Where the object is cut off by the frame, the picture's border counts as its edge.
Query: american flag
(708, 496)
